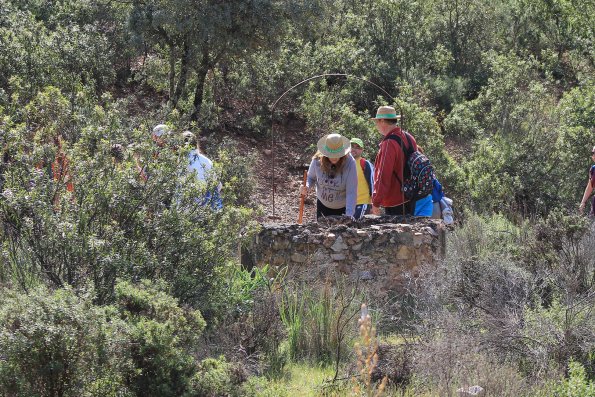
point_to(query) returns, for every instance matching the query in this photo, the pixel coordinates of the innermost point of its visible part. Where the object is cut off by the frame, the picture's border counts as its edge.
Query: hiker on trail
(159, 135)
(390, 162)
(365, 179)
(202, 167)
(59, 168)
(589, 188)
(333, 171)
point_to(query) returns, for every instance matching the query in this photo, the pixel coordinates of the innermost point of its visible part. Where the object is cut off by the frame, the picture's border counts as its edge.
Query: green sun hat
(358, 142)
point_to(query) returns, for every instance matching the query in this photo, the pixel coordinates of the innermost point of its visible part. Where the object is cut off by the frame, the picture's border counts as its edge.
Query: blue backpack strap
(368, 175)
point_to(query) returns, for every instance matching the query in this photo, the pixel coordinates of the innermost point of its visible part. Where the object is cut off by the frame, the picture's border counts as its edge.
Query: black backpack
(418, 174)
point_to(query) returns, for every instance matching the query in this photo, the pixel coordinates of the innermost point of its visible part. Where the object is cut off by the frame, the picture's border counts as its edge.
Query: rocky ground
(290, 154)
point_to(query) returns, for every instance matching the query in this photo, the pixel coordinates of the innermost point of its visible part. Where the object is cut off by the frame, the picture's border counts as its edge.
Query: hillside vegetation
(115, 281)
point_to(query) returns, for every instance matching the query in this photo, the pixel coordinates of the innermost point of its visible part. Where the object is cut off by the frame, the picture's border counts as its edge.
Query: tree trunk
(183, 76)
(200, 88)
(172, 71)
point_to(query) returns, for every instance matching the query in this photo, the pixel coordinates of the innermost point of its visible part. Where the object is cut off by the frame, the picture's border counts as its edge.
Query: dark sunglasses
(592, 153)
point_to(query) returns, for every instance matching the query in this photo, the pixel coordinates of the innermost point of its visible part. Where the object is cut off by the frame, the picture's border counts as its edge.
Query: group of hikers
(197, 164)
(162, 135)
(347, 184)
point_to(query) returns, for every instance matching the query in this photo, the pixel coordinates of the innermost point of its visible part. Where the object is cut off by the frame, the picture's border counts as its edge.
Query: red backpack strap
(362, 163)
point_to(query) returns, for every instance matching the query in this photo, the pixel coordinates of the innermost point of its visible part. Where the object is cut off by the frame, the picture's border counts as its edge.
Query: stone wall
(378, 252)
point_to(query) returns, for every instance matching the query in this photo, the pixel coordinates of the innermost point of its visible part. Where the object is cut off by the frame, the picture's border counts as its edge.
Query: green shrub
(163, 337)
(215, 377)
(236, 173)
(577, 384)
(114, 224)
(60, 344)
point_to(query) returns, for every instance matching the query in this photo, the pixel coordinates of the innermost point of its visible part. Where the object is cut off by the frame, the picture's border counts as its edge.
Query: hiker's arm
(351, 189)
(371, 177)
(310, 181)
(140, 169)
(586, 195)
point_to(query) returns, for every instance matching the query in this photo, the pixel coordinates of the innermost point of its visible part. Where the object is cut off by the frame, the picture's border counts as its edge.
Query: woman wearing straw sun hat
(333, 172)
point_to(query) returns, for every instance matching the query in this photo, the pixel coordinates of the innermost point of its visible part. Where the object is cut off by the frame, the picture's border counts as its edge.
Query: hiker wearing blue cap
(365, 179)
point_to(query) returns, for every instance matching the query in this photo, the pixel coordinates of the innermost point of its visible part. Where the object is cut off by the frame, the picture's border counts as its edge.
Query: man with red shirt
(389, 166)
(590, 187)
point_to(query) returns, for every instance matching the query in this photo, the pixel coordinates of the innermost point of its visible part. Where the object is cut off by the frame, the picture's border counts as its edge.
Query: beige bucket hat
(386, 112)
(334, 146)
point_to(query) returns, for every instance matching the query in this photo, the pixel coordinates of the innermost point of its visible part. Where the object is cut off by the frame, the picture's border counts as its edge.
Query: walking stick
(302, 199)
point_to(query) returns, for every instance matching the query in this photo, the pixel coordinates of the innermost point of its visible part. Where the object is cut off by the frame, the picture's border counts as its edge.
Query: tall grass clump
(316, 321)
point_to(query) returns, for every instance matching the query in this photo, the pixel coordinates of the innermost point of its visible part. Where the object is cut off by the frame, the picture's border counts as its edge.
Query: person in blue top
(589, 188)
(202, 167)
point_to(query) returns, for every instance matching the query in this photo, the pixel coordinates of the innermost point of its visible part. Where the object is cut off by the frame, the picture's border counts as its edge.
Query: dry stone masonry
(378, 252)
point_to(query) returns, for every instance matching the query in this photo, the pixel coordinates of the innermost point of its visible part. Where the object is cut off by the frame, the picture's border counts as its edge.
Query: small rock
(366, 275)
(431, 231)
(470, 391)
(418, 239)
(338, 257)
(339, 245)
(299, 258)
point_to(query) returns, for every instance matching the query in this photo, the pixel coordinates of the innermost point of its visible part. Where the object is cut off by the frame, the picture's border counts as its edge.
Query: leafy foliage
(161, 338)
(60, 344)
(499, 94)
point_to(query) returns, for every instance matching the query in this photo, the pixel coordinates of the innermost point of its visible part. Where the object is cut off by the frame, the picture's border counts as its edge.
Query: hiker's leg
(322, 210)
(396, 210)
(319, 207)
(410, 207)
(436, 211)
(360, 210)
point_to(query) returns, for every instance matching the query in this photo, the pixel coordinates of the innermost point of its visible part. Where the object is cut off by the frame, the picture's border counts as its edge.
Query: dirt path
(292, 156)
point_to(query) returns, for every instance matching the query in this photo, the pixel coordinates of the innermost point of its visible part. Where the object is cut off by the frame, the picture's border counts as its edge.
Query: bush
(455, 356)
(216, 377)
(60, 344)
(162, 336)
(101, 220)
(577, 384)
(518, 294)
(235, 171)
